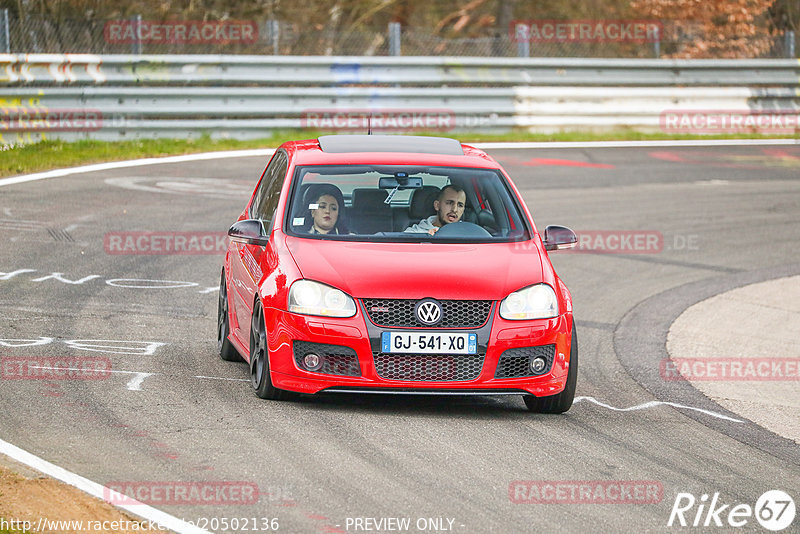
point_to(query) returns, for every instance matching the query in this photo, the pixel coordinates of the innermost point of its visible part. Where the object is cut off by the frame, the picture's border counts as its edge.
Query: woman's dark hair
(313, 194)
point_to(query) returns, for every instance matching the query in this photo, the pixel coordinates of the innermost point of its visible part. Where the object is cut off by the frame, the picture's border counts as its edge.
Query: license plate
(429, 343)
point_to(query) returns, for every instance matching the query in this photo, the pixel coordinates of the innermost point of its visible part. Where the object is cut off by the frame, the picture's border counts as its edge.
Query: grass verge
(4, 531)
(53, 154)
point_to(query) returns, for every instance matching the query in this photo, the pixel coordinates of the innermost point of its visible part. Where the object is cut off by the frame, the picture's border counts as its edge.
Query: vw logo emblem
(428, 311)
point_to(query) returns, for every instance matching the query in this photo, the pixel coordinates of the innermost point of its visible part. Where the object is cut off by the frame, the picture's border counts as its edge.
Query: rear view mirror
(398, 181)
(559, 238)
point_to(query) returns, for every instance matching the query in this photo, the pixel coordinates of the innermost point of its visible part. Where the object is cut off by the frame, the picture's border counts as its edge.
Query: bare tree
(712, 28)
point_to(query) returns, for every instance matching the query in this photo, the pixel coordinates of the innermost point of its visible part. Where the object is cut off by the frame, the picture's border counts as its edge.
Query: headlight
(534, 302)
(313, 298)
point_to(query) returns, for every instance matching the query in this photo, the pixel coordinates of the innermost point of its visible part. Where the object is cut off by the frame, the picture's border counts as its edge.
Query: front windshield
(403, 203)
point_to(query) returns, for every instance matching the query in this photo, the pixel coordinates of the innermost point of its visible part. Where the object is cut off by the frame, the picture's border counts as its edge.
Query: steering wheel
(462, 229)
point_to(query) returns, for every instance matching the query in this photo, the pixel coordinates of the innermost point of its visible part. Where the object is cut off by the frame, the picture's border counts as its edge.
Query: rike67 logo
(774, 510)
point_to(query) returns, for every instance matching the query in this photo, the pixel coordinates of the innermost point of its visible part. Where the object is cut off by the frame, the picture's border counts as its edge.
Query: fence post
(136, 45)
(394, 39)
(789, 38)
(522, 35)
(274, 35)
(5, 32)
(656, 42)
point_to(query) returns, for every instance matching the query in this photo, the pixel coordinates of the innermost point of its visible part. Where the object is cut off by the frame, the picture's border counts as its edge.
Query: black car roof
(390, 143)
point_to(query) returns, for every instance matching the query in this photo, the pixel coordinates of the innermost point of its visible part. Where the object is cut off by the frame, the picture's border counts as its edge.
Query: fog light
(312, 362)
(538, 364)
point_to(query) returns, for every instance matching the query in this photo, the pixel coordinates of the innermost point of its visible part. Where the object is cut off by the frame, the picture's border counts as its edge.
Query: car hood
(486, 271)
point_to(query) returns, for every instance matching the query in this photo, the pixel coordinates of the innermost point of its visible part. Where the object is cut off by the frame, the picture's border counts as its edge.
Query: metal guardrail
(74, 96)
(404, 71)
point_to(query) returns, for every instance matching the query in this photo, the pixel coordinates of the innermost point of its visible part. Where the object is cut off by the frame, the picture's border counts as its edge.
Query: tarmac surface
(172, 412)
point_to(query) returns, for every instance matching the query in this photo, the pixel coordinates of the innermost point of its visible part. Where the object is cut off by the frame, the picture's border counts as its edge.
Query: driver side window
(269, 191)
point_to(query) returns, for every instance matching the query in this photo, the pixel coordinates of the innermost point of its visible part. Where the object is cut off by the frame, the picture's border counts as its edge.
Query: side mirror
(250, 231)
(559, 238)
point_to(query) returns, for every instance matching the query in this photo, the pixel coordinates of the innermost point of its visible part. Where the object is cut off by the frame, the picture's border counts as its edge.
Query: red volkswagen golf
(395, 264)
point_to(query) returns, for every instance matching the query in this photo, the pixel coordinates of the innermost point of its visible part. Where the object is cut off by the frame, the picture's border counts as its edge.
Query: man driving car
(449, 206)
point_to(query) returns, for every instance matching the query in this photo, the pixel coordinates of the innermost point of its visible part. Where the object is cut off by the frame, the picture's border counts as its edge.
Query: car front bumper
(360, 339)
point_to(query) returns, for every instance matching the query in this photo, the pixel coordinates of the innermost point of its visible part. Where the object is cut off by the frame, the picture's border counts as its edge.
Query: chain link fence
(138, 35)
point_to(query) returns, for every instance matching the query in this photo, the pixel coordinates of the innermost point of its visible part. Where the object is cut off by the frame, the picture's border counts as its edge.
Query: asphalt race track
(171, 411)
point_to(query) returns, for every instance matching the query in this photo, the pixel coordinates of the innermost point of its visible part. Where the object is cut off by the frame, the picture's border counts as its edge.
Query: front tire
(259, 360)
(560, 402)
(225, 348)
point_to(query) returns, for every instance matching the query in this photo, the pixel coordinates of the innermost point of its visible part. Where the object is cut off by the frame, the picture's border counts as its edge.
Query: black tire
(225, 348)
(259, 361)
(560, 402)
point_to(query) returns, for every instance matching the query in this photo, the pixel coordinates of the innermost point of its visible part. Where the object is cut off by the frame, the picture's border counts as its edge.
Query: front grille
(429, 367)
(336, 359)
(399, 313)
(515, 363)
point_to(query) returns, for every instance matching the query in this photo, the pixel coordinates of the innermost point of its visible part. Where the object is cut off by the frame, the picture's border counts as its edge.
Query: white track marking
(221, 378)
(60, 278)
(21, 223)
(136, 283)
(209, 290)
(9, 275)
(712, 182)
(7, 342)
(635, 144)
(146, 512)
(653, 404)
(134, 384)
(209, 187)
(135, 163)
(130, 283)
(142, 348)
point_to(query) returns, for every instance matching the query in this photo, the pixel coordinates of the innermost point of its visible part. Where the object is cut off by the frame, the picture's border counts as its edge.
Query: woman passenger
(325, 204)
